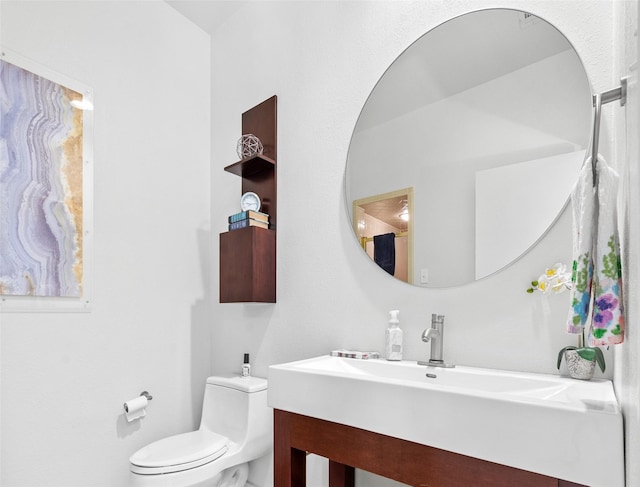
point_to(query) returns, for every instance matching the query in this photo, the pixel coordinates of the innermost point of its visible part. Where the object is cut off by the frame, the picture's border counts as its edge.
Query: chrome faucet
(435, 335)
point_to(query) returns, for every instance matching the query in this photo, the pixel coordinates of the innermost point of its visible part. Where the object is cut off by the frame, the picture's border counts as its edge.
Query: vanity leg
(341, 475)
(290, 464)
(298, 468)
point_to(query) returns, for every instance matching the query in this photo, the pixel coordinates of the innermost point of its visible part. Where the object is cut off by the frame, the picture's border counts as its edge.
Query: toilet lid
(179, 452)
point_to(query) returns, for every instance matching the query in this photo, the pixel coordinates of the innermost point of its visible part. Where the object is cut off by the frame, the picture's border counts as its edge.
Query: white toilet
(236, 427)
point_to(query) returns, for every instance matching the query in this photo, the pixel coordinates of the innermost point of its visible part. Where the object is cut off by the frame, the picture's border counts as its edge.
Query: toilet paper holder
(143, 393)
(147, 395)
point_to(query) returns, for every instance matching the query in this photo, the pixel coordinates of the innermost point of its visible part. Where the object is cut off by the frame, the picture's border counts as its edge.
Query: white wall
(627, 121)
(65, 375)
(322, 59)
(329, 292)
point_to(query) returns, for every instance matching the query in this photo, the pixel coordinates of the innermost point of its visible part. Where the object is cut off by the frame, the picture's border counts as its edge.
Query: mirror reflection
(384, 225)
(486, 120)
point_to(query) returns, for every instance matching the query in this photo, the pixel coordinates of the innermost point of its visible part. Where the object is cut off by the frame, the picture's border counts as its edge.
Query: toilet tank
(236, 407)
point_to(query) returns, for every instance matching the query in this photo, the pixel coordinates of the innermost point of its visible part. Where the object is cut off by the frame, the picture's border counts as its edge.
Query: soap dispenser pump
(393, 336)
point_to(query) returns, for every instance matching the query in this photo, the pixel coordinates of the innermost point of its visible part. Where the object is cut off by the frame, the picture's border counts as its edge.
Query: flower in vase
(554, 280)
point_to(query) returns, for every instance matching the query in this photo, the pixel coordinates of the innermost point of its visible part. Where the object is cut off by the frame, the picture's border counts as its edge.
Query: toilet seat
(179, 452)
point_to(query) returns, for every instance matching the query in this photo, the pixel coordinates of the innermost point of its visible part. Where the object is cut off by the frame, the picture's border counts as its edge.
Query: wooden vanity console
(348, 448)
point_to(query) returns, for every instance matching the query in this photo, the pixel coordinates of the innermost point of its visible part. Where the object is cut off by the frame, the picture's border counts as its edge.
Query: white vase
(579, 368)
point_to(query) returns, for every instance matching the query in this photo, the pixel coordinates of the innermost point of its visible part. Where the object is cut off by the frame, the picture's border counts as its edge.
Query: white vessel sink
(555, 426)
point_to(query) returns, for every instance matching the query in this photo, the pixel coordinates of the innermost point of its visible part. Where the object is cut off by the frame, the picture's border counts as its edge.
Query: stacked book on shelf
(248, 218)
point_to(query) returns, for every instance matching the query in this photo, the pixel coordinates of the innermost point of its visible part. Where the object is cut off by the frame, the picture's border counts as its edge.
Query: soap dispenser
(393, 336)
(246, 366)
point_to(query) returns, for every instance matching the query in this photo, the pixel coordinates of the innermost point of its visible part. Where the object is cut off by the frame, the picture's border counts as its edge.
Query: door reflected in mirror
(486, 117)
(384, 226)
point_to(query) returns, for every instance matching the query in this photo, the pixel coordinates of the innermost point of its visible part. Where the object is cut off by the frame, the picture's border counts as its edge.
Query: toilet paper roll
(135, 408)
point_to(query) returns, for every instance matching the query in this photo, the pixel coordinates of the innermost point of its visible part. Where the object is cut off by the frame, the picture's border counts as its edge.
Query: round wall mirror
(467, 148)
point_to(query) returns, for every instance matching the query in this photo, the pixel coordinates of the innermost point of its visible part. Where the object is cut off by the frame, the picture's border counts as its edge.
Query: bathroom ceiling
(388, 211)
(209, 15)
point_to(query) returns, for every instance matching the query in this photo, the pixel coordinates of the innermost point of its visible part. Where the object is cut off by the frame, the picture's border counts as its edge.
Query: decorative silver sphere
(248, 145)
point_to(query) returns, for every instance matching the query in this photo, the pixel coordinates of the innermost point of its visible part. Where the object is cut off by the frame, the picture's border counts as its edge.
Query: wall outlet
(424, 276)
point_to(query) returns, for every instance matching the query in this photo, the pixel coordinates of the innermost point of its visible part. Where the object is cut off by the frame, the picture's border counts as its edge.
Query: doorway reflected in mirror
(384, 214)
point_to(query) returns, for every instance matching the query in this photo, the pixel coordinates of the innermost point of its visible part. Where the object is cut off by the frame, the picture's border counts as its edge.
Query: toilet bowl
(236, 428)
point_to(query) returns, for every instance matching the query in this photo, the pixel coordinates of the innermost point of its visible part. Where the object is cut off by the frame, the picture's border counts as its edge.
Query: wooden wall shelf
(251, 166)
(248, 274)
(248, 255)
